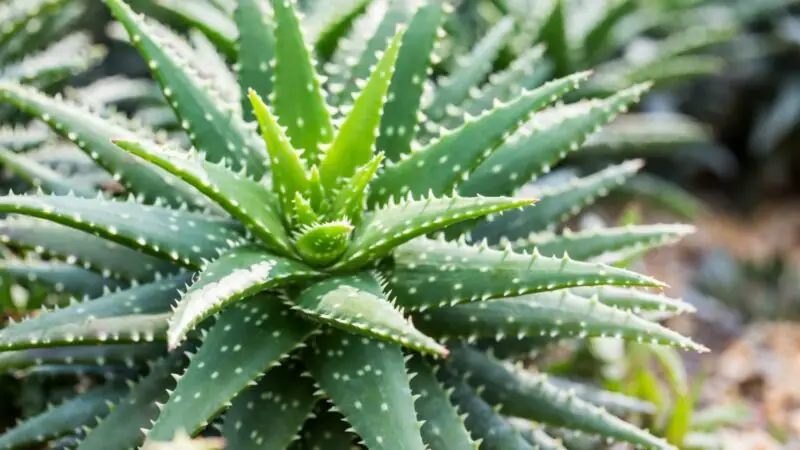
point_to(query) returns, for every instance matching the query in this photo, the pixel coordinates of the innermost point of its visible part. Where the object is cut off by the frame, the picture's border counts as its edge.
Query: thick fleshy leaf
(664, 194)
(434, 273)
(594, 243)
(236, 275)
(471, 70)
(184, 237)
(545, 314)
(244, 342)
(299, 101)
(351, 199)
(543, 141)
(93, 134)
(614, 402)
(596, 41)
(211, 125)
(83, 249)
(57, 277)
(443, 428)
(43, 177)
(485, 425)
(354, 144)
(553, 33)
(133, 315)
(400, 118)
(328, 430)
(271, 413)
(244, 199)
(23, 138)
(128, 355)
(386, 228)
(321, 244)
(138, 408)
(556, 204)
(448, 161)
(84, 409)
(357, 304)
(537, 436)
(531, 396)
(382, 413)
(215, 24)
(256, 48)
(633, 299)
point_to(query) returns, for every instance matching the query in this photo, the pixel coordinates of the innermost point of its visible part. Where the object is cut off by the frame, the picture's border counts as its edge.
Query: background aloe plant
(369, 271)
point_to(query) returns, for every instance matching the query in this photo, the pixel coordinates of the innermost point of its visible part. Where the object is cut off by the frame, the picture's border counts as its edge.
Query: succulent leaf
(138, 408)
(77, 247)
(531, 396)
(400, 118)
(133, 315)
(633, 299)
(354, 143)
(58, 277)
(43, 177)
(270, 414)
(128, 355)
(553, 33)
(327, 430)
(246, 340)
(93, 135)
(299, 101)
(81, 410)
(343, 364)
(154, 231)
(357, 304)
(322, 244)
(596, 41)
(351, 199)
(443, 428)
(543, 141)
(256, 48)
(386, 228)
(546, 313)
(447, 162)
(235, 276)
(210, 126)
(244, 199)
(485, 425)
(435, 273)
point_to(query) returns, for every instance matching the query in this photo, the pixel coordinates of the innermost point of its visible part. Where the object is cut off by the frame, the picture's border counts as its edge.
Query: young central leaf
(321, 245)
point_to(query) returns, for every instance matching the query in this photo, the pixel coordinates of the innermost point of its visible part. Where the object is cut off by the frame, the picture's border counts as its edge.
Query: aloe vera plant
(358, 275)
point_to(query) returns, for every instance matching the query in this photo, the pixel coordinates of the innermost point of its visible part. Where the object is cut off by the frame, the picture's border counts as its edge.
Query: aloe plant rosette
(331, 284)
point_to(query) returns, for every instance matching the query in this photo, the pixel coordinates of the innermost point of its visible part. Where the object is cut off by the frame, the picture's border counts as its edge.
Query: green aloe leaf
(57, 277)
(613, 402)
(236, 275)
(93, 134)
(299, 100)
(443, 428)
(386, 228)
(447, 162)
(383, 413)
(256, 48)
(351, 200)
(328, 430)
(139, 407)
(323, 243)
(289, 172)
(400, 112)
(553, 33)
(244, 199)
(129, 355)
(204, 16)
(485, 425)
(536, 436)
(23, 138)
(133, 315)
(597, 39)
(471, 70)
(434, 273)
(633, 299)
(271, 413)
(356, 303)
(354, 144)
(544, 141)
(211, 126)
(551, 314)
(184, 237)
(327, 23)
(663, 194)
(84, 409)
(246, 340)
(594, 243)
(42, 177)
(531, 396)
(18, 16)
(556, 204)
(83, 249)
